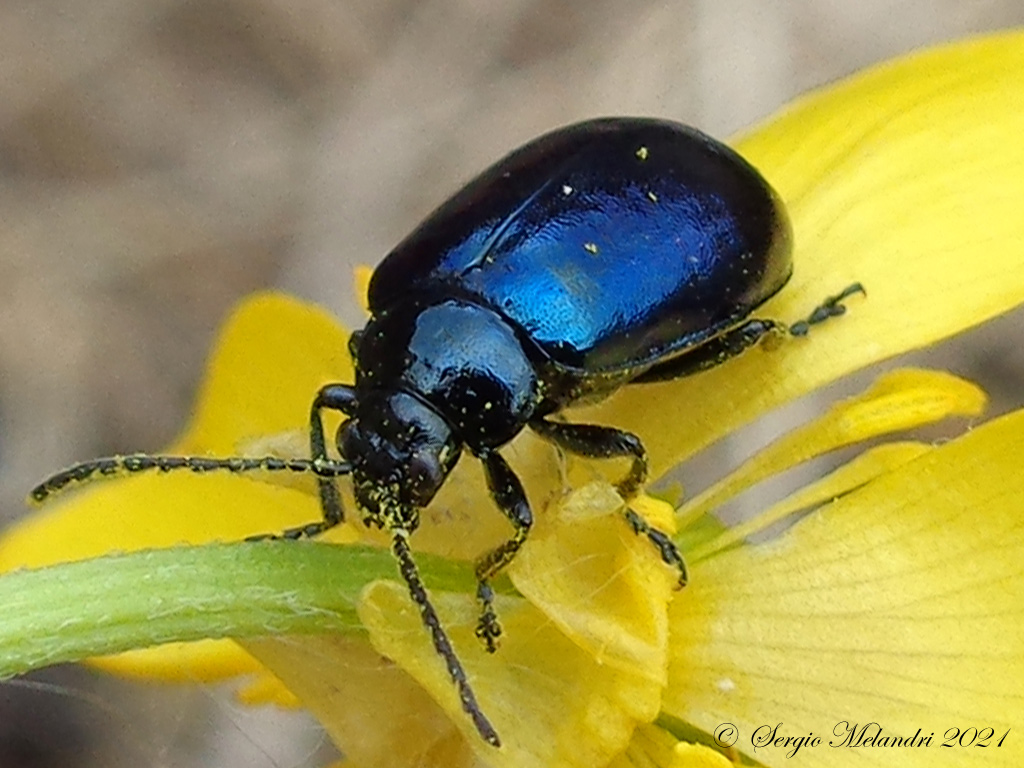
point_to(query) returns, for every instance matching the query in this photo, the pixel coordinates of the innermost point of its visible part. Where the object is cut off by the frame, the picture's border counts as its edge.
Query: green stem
(111, 604)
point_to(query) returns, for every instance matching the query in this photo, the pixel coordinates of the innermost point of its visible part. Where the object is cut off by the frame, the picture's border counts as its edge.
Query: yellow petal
(552, 703)
(202, 661)
(273, 354)
(897, 400)
(148, 511)
(653, 747)
(266, 688)
(601, 584)
(901, 604)
(657, 511)
(853, 474)
(907, 178)
(556, 699)
(375, 712)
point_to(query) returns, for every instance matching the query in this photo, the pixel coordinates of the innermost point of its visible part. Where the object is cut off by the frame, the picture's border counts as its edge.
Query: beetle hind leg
(597, 442)
(712, 352)
(508, 494)
(831, 307)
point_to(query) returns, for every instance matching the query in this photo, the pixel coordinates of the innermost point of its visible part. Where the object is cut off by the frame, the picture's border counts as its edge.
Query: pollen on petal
(272, 356)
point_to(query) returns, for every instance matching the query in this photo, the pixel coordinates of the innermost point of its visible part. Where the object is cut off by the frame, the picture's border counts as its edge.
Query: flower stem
(115, 603)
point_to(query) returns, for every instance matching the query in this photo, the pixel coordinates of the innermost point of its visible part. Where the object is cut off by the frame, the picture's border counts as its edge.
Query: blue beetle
(610, 252)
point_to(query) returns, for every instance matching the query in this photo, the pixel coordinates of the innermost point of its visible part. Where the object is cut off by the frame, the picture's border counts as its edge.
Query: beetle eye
(348, 439)
(424, 476)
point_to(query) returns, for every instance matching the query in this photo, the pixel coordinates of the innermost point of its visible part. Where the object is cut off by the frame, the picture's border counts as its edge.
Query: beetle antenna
(443, 646)
(115, 466)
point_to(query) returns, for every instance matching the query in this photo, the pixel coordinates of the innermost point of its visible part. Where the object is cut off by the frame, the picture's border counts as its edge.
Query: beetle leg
(508, 494)
(670, 554)
(335, 397)
(731, 343)
(711, 353)
(830, 307)
(598, 442)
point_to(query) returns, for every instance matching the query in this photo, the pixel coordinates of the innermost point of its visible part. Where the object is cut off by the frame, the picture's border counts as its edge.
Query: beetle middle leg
(508, 494)
(597, 442)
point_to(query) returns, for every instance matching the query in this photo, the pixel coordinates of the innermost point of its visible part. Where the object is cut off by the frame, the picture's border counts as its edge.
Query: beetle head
(401, 450)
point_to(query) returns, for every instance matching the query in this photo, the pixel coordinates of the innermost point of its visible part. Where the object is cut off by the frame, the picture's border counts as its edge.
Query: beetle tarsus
(488, 628)
(667, 548)
(830, 307)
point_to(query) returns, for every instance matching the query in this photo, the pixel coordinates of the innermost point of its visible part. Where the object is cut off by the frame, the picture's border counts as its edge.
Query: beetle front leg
(336, 397)
(598, 442)
(508, 494)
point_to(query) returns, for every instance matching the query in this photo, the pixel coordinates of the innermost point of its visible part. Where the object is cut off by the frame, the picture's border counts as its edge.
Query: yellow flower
(896, 601)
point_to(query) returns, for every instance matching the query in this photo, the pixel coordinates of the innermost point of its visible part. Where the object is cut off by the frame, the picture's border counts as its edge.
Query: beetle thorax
(463, 359)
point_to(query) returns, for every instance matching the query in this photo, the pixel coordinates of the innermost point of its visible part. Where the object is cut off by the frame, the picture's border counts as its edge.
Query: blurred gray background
(159, 160)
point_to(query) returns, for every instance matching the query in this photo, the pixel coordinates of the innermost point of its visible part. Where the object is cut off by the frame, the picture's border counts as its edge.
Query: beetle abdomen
(611, 244)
